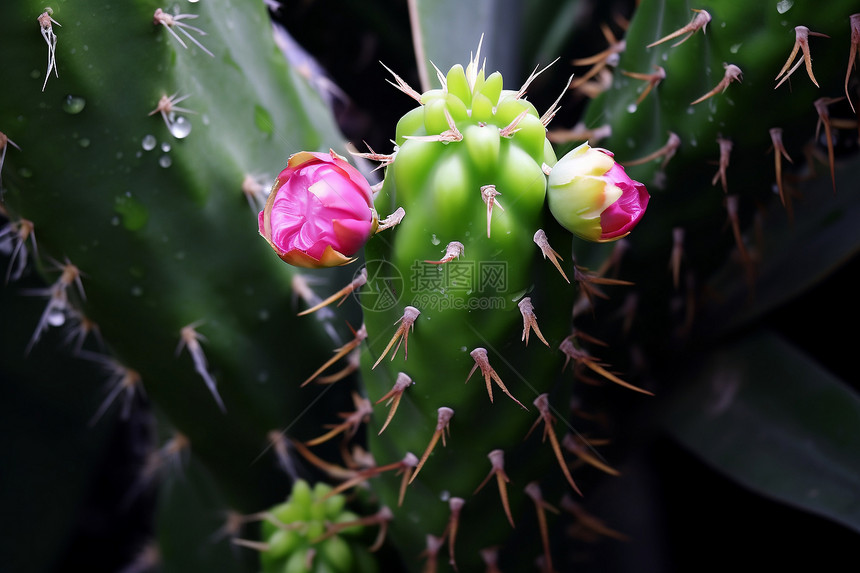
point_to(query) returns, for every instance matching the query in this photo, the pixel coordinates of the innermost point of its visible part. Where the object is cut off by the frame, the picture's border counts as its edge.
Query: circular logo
(384, 287)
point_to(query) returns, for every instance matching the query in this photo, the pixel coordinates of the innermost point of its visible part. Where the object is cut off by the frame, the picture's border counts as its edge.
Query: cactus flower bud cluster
(592, 196)
(312, 532)
(319, 212)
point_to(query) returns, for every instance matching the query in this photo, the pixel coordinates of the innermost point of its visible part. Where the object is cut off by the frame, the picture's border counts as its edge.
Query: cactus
(153, 270)
(473, 413)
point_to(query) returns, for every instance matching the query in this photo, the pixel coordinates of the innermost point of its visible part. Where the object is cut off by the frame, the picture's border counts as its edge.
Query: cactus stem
(482, 361)
(545, 416)
(580, 448)
(168, 109)
(497, 460)
(699, 22)
(443, 420)
(47, 29)
(778, 153)
(450, 135)
(653, 81)
(381, 518)
(401, 85)
(677, 255)
(801, 42)
(666, 152)
(333, 470)
(255, 192)
(853, 52)
(588, 521)
(733, 73)
(407, 325)
(725, 154)
(532, 77)
(543, 243)
(532, 489)
(824, 119)
(352, 420)
(452, 251)
(529, 320)
(360, 336)
(15, 234)
(456, 506)
(171, 21)
(394, 395)
(190, 339)
(489, 194)
(392, 220)
(359, 281)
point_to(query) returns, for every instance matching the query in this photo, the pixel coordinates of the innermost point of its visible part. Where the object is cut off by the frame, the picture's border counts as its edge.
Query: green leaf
(794, 255)
(447, 32)
(776, 422)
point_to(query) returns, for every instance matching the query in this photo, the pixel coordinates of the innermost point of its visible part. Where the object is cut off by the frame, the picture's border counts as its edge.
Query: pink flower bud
(592, 197)
(320, 211)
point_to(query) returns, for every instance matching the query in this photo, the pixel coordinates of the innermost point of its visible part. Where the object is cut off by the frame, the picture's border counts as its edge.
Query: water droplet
(205, 119)
(435, 240)
(180, 128)
(73, 104)
(148, 143)
(165, 147)
(784, 6)
(56, 317)
(84, 142)
(264, 315)
(165, 161)
(734, 48)
(114, 221)
(136, 291)
(632, 108)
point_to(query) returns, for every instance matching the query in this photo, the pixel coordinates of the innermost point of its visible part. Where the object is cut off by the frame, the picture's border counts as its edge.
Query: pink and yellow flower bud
(319, 212)
(592, 196)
